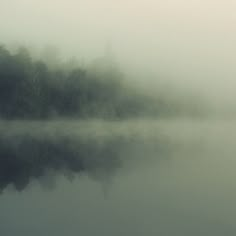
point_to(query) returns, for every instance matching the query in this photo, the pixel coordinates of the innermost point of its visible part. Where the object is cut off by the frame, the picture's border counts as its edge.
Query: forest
(35, 89)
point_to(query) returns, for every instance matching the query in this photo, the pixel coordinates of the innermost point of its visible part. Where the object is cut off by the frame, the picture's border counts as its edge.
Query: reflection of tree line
(34, 89)
(28, 155)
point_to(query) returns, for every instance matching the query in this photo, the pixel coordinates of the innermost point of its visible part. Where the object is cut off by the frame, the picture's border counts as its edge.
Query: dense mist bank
(48, 88)
(34, 150)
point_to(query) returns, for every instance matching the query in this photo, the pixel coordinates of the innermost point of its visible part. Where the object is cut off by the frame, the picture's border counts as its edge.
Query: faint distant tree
(51, 56)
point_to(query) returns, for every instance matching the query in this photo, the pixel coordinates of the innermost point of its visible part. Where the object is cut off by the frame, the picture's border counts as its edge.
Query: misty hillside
(36, 89)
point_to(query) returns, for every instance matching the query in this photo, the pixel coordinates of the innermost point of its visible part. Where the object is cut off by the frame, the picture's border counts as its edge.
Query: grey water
(137, 177)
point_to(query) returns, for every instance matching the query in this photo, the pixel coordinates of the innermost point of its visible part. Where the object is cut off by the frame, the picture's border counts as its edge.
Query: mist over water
(141, 177)
(31, 150)
(117, 118)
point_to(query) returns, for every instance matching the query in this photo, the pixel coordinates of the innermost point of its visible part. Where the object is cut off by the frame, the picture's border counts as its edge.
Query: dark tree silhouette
(32, 89)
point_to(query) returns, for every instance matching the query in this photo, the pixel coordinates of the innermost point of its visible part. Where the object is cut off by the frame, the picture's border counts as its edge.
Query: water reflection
(160, 178)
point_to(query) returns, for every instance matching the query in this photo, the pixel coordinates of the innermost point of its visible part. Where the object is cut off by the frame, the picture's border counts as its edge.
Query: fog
(188, 44)
(158, 177)
(117, 117)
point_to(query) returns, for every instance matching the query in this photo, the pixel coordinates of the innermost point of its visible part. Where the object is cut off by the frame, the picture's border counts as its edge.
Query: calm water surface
(163, 178)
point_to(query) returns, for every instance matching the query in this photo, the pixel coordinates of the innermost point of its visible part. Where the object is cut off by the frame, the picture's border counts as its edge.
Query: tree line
(41, 89)
(31, 89)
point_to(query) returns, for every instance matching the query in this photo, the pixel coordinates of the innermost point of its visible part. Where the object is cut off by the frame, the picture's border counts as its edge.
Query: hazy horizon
(188, 44)
(136, 137)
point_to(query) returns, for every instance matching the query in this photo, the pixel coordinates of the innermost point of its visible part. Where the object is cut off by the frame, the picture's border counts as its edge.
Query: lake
(112, 178)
